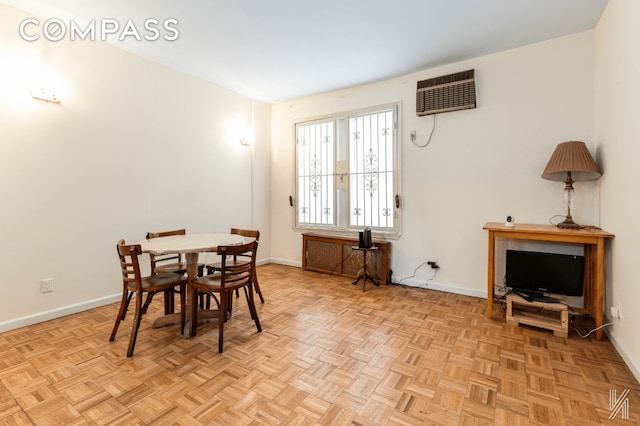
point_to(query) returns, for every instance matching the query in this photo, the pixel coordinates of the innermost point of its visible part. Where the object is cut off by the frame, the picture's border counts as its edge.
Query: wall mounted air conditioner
(447, 93)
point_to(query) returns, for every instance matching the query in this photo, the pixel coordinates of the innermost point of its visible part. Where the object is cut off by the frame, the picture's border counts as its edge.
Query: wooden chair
(240, 260)
(163, 263)
(134, 283)
(173, 262)
(224, 284)
(167, 262)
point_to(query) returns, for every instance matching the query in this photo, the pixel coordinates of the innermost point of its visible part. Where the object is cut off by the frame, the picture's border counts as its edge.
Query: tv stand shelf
(593, 241)
(517, 313)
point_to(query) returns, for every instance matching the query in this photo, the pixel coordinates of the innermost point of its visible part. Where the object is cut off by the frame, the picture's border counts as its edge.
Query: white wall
(481, 164)
(133, 147)
(617, 92)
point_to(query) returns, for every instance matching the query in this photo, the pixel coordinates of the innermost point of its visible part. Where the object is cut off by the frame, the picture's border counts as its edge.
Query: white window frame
(341, 226)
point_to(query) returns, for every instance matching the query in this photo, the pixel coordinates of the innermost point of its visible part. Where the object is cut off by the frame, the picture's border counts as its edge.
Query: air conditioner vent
(447, 93)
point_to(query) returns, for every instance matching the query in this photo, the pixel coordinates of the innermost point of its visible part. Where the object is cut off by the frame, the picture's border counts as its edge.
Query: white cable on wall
(413, 136)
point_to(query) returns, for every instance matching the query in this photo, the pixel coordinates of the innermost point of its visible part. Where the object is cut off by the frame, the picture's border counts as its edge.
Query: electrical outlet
(46, 285)
(615, 312)
(433, 264)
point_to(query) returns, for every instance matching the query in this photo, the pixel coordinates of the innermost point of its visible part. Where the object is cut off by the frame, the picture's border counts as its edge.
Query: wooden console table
(593, 241)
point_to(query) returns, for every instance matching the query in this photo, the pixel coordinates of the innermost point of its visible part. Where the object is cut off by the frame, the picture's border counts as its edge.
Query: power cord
(573, 318)
(595, 329)
(583, 227)
(413, 137)
(555, 216)
(415, 271)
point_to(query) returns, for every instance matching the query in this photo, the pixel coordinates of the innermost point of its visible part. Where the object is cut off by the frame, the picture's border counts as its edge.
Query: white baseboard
(285, 262)
(631, 363)
(434, 285)
(57, 313)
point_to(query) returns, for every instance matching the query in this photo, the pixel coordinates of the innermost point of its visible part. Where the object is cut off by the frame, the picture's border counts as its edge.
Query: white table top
(190, 243)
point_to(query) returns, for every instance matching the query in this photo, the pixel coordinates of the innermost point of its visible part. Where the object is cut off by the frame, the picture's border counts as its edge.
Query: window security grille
(347, 171)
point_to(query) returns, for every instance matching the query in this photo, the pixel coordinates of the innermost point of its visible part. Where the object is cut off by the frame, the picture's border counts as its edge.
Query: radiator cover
(335, 255)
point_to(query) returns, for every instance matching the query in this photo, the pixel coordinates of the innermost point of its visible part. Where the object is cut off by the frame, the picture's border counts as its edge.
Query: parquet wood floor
(328, 354)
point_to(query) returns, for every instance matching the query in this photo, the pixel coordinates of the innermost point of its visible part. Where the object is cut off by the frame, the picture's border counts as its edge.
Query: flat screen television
(536, 273)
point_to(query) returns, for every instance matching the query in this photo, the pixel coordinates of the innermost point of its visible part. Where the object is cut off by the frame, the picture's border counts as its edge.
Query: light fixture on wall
(43, 94)
(570, 162)
(245, 135)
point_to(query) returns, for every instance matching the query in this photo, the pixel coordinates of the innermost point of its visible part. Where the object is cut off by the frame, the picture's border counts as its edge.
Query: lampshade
(571, 157)
(571, 161)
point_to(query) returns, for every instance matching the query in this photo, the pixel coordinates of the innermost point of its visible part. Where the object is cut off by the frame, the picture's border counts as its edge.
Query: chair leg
(124, 303)
(194, 309)
(126, 306)
(204, 300)
(136, 325)
(252, 309)
(169, 301)
(229, 305)
(215, 299)
(257, 286)
(147, 302)
(246, 296)
(222, 317)
(183, 306)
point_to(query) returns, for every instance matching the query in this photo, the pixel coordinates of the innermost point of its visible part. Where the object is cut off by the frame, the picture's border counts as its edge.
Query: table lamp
(571, 162)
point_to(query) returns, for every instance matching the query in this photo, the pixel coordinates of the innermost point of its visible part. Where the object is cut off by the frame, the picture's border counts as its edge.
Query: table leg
(363, 273)
(192, 275)
(491, 272)
(589, 279)
(599, 287)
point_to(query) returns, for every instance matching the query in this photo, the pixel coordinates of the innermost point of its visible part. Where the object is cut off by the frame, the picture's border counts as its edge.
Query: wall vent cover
(447, 93)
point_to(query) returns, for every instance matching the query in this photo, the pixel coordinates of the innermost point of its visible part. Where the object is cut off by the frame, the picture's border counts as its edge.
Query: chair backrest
(241, 274)
(129, 264)
(164, 258)
(246, 233)
(249, 233)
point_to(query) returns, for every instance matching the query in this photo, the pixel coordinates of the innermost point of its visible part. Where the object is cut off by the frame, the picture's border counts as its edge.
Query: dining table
(191, 246)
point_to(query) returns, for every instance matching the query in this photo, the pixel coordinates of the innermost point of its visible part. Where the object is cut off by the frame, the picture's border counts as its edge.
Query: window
(347, 171)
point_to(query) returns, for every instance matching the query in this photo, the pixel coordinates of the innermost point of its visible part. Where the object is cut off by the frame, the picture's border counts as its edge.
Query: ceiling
(276, 50)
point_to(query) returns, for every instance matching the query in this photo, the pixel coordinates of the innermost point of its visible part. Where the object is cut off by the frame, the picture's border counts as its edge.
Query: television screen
(545, 272)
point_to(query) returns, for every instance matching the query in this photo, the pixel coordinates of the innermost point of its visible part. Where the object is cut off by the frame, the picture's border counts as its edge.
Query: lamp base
(568, 223)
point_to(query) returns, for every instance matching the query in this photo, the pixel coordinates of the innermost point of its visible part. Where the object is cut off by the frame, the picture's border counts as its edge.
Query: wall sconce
(246, 137)
(43, 94)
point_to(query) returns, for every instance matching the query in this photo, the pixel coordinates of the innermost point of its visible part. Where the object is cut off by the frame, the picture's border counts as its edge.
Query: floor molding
(57, 313)
(622, 350)
(434, 285)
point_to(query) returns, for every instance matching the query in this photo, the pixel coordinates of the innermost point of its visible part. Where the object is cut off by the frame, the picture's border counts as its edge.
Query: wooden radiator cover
(334, 255)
